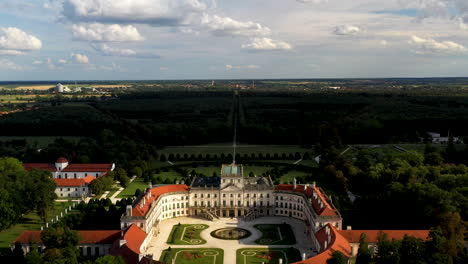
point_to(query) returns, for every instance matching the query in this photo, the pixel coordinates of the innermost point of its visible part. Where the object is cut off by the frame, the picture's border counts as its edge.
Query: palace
(230, 195)
(72, 180)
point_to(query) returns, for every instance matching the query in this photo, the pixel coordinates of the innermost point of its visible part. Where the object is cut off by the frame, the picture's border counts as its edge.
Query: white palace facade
(230, 195)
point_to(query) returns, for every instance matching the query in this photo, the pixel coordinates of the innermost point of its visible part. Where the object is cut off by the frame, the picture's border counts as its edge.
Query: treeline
(96, 215)
(239, 157)
(22, 192)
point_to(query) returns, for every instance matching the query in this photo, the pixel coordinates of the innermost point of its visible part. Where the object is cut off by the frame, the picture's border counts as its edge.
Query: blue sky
(225, 39)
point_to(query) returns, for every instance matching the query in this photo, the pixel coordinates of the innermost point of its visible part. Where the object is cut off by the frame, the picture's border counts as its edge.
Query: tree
(337, 258)
(33, 257)
(110, 260)
(387, 251)
(137, 171)
(363, 256)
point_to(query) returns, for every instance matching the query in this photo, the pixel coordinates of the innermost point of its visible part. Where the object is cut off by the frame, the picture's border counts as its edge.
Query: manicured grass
(132, 187)
(187, 235)
(289, 177)
(193, 256)
(30, 221)
(267, 255)
(275, 234)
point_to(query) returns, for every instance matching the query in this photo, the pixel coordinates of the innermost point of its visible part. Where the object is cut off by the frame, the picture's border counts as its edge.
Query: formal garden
(267, 255)
(187, 234)
(275, 234)
(192, 256)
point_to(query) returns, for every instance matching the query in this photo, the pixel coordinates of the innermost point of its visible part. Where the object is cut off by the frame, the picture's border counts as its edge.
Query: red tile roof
(134, 237)
(41, 166)
(325, 210)
(337, 243)
(353, 235)
(61, 160)
(143, 206)
(86, 236)
(88, 168)
(88, 179)
(70, 182)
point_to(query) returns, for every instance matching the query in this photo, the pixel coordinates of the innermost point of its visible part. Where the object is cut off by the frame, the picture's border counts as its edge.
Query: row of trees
(22, 192)
(437, 249)
(245, 157)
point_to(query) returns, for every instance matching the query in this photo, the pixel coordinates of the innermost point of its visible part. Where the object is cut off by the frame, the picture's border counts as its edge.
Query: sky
(232, 39)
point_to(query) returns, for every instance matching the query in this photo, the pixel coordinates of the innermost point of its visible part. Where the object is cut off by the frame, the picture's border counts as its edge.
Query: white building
(72, 180)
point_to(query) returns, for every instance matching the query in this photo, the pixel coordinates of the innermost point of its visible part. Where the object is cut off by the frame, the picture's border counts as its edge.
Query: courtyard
(269, 239)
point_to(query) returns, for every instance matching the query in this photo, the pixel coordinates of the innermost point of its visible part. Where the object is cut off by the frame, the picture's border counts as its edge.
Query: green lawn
(275, 234)
(132, 187)
(267, 255)
(187, 235)
(193, 255)
(29, 222)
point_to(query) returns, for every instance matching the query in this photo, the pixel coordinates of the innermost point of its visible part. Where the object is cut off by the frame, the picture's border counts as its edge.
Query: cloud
(106, 50)
(346, 30)
(163, 68)
(451, 9)
(429, 45)
(226, 26)
(11, 53)
(266, 44)
(154, 12)
(229, 67)
(80, 58)
(14, 41)
(102, 32)
(8, 65)
(312, 1)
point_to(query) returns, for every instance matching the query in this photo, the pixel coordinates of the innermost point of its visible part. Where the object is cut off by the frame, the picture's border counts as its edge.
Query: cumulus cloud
(154, 12)
(11, 53)
(452, 9)
(102, 32)
(429, 45)
(266, 44)
(346, 30)
(111, 51)
(14, 41)
(80, 58)
(7, 65)
(226, 26)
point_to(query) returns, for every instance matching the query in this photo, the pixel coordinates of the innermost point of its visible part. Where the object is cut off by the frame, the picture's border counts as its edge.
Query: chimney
(122, 242)
(313, 184)
(294, 184)
(349, 228)
(129, 210)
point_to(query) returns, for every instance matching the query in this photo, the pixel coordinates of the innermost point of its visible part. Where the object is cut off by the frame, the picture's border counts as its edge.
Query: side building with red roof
(72, 180)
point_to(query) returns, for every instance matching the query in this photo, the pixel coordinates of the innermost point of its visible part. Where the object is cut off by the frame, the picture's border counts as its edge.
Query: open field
(29, 87)
(187, 235)
(193, 256)
(267, 255)
(108, 85)
(30, 221)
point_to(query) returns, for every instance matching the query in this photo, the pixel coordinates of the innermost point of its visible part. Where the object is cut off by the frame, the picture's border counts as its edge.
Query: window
(231, 203)
(60, 189)
(195, 203)
(224, 202)
(97, 174)
(201, 195)
(238, 203)
(232, 195)
(215, 195)
(268, 195)
(224, 195)
(232, 180)
(248, 195)
(238, 180)
(195, 196)
(68, 189)
(239, 195)
(76, 189)
(208, 195)
(84, 189)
